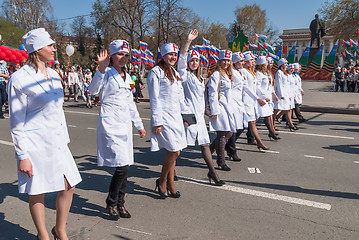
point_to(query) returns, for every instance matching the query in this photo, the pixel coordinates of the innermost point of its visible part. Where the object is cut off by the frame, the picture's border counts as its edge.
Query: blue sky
(282, 14)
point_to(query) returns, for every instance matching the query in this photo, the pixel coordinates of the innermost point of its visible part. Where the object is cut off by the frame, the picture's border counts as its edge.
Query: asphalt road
(307, 187)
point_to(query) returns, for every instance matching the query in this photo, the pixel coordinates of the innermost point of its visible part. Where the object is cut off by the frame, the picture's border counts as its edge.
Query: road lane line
(87, 113)
(72, 126)
(356, 161)
(89, 128)
(269, 151)
(310, 156)
(6, 143)
(96, 114)
(262, 194)
(315, 135)
(132, 230)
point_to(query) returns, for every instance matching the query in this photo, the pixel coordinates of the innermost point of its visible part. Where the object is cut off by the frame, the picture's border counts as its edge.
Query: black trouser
(117, 191)
(3, 96)
(297, 112)
(231, 143)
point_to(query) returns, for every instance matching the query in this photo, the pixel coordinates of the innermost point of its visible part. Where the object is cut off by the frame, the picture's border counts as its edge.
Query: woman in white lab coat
(40, 136)
(114, 130)
(188, 67)
(274, 98)
(299, 93)
(283, 92)
(249, 103)
(240, 88)
(167, 103)
(264, 91)
(292, 87)
(220, 98)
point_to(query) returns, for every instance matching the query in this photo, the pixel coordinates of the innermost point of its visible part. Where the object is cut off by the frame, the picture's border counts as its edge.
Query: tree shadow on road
(352, 149)
(10, 230)
(300, 189)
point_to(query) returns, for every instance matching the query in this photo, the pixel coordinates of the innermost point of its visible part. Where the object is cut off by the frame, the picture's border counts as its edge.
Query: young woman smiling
(114, 130)
(167, 103)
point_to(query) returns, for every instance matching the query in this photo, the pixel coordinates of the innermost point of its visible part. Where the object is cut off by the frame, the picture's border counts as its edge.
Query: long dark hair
(167, 69)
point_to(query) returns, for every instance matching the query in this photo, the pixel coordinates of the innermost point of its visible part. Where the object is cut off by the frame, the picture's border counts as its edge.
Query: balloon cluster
(12, 54)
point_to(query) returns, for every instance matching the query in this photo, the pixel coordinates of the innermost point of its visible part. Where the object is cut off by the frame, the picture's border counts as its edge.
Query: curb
(329, 110)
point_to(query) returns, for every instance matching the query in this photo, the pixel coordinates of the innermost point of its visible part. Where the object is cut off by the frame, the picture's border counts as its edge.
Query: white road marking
(315, 135)
(310, 156)
(356, 161)
(6, 143)
(71, 125)
(96, 114)
(87, 113)
(257, 193)
(132, 230)
(91, 128)
(269, 151)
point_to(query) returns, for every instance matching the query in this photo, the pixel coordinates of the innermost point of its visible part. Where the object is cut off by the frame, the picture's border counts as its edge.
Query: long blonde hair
(285, 72)
(223, 72)
(32, 59)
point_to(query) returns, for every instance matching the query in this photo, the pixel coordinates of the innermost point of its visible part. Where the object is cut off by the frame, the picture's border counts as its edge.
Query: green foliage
(10, 34)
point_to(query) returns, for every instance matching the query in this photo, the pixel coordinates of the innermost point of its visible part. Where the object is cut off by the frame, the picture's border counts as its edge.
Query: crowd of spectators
(347, 77)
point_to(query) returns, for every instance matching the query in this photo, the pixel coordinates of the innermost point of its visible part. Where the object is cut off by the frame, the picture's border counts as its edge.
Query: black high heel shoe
(112, 212)
(123, 212)
(53, 231)
(294, 128)
(274, 136)
(163, 195)
(225, 168)
(173, 195)
(234, 157)
(216, 182)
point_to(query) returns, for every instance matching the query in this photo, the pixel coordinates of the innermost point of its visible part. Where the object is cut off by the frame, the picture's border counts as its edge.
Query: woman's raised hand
(103, 60)
(192, 35)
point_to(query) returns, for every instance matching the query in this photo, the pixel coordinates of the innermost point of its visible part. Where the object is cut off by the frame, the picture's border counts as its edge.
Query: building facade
(302, 37)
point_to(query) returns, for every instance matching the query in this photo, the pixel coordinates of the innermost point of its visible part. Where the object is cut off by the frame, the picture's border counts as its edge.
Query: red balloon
(2, 55)
(23, 53)
(13, 51)
(8, 53)
(12, 58)
(2, 48)
(7, 59)
(18, 55)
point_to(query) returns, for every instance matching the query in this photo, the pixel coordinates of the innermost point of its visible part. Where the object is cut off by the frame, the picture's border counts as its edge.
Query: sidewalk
(318, 97)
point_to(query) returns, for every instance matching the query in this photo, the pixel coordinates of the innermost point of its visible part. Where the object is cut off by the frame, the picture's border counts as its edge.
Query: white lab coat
(250, 103)
(167, 104)
(264, 91)
(73, 78)
(298, 86)
(39, 131)
(194, 98)
(292, 89)
(114, 129)
(222, 107)
(282, 90)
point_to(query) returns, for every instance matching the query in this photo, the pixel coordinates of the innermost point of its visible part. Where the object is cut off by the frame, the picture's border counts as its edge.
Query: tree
(172, 22)
(10, 34)
(28, 14)
(252, 19)
(341, 18)
(127, 18)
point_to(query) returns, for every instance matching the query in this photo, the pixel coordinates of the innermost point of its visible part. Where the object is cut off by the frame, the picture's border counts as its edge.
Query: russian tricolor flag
(143, 45)
(203, 60)
(136, 53)
(206, 42)
(149, 54)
